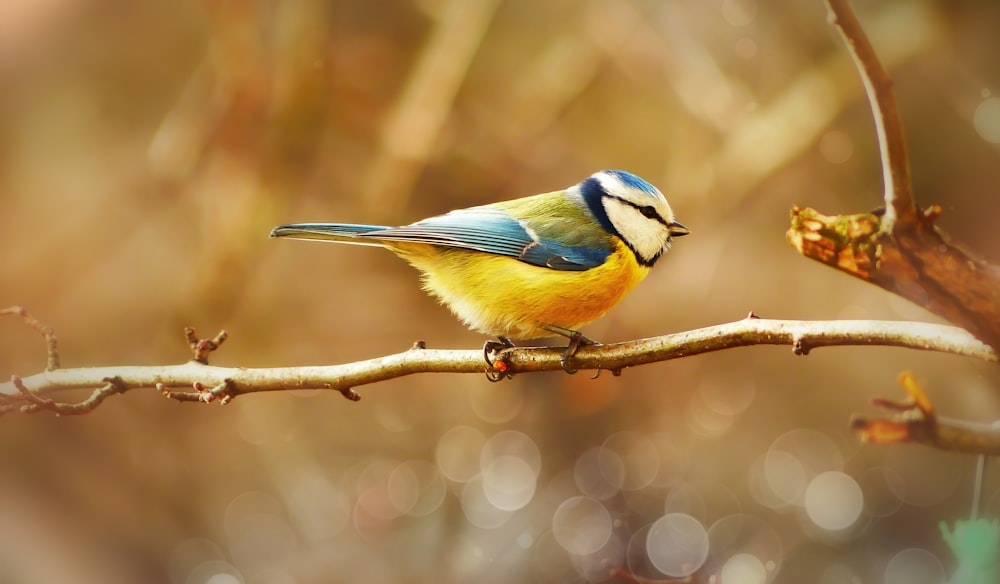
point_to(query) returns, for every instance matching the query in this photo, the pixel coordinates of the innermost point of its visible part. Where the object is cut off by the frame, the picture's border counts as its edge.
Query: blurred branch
(917, 422)
(206, 383)
(779, 130)
(901, 250)
(419, 115)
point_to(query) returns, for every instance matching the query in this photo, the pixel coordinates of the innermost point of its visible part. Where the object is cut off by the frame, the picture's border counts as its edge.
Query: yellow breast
(499, 295)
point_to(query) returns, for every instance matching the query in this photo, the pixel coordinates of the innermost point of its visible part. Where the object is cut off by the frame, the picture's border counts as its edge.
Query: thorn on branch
(615, 371)
(350, 394)
(800, 346)
(200, 348)
(419, 345)
(51, 343)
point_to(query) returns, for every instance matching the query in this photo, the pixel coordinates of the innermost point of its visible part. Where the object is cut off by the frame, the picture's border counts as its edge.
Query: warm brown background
(146, 148)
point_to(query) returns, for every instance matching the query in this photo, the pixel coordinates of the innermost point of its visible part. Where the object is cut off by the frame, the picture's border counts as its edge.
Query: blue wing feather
(492, 231)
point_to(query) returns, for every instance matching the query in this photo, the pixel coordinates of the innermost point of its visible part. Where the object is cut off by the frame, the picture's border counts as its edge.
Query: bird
(538, 266)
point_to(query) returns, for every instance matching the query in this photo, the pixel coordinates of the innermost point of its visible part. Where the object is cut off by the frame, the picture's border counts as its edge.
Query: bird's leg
(494, 373)
(576, 340)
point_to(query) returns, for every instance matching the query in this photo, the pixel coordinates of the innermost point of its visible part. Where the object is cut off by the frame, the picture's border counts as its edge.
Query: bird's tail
(339, 232)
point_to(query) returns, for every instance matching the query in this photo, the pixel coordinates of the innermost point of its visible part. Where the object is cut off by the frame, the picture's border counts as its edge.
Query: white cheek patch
(646, 236)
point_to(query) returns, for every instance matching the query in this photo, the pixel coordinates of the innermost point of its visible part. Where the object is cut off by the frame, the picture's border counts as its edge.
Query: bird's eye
(649, 212)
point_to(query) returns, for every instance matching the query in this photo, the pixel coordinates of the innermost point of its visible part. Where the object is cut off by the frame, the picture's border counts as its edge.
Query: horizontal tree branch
(198, 381)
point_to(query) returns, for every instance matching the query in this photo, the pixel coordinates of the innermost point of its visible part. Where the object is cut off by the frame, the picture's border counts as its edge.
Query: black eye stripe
(644, 209)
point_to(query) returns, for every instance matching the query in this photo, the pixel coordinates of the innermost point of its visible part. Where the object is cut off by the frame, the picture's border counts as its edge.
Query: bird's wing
(493, 231)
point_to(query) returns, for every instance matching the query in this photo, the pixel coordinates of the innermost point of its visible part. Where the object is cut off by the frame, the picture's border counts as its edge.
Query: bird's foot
(498, 369)
(576, 340)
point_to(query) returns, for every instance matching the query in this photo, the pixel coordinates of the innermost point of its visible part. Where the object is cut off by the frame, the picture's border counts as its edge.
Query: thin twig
(51, 343)
(227, 383)
(899, 203)
(35, 403)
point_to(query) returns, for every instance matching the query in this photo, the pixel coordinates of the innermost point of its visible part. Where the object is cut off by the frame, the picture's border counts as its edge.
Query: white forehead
(630, 187)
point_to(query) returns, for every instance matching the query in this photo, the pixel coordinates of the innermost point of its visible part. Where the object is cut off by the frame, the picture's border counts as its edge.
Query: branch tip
(200, 348)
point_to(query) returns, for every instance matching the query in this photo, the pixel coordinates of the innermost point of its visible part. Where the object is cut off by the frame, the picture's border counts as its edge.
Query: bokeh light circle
(794, 459)
(191, 553)
(914, 566)
(785, 477)
(741, 534)
(223, 578)
(512, 443)
(217, 572)
(986, 120)
(458, 451)
(594, 567)
(508, 482)
(599, 473)
(416, 488)
(478, 509)
(833, 501)
(677, 544)
(743, 569)
(581, 525)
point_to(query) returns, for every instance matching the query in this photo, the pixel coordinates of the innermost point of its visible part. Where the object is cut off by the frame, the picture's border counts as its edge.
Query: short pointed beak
(678, 229)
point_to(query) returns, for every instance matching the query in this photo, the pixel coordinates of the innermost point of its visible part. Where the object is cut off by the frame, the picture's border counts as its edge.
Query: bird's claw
(576, 340)
(499, 369)
(564, 361)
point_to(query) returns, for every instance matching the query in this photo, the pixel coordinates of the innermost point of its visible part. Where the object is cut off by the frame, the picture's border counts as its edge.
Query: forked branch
(900, 250)
(916, 421)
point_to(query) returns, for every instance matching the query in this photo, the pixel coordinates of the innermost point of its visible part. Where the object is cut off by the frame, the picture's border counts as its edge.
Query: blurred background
(146, 149)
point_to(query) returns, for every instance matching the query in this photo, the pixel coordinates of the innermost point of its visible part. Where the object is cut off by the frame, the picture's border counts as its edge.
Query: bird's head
(634, 210)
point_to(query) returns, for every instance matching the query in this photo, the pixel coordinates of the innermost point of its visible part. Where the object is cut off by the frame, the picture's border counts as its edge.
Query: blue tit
(538, 266)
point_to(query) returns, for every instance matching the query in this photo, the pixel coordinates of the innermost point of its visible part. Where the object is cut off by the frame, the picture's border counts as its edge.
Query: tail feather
(339, 232)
